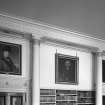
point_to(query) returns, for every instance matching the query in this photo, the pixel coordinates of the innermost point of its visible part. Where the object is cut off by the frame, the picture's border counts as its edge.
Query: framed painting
(10, 58)
(16, 100)
(66, 69)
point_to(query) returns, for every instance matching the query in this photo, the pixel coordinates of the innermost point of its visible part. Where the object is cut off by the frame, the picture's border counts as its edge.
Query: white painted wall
(47, 67)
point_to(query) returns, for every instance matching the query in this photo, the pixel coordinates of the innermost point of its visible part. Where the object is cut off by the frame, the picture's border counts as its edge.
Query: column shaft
(99, 80)
(36, 73)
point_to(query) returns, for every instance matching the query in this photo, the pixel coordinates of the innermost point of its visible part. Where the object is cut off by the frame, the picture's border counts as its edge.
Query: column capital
(99, 53)
(35, 41)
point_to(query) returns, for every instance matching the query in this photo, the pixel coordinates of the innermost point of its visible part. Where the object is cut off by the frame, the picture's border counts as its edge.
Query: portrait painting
(16, 100)
(66, 69)
(2, 100)
(10, 58)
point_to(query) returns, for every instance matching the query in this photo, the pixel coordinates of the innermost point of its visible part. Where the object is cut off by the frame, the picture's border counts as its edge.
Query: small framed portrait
(2, 100)
(16, 100)
(10, 58)
(66, 69)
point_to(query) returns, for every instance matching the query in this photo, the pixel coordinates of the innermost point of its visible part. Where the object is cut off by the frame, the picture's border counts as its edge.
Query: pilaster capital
(99, 53)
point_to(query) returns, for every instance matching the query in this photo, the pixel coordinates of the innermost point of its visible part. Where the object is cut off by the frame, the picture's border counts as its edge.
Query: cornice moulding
(39, 30)
(71, 45)
(44, 26)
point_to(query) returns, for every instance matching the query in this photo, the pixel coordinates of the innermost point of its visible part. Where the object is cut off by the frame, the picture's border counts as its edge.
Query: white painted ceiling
(84, 16)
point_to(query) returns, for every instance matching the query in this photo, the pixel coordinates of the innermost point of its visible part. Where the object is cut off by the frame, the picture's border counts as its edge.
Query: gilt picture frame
(66, 69)
(10, 58)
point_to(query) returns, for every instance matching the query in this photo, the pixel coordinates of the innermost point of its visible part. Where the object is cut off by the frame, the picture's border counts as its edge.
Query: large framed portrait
(2, 100)
(66, 69)
(16, 100)
(10, 58)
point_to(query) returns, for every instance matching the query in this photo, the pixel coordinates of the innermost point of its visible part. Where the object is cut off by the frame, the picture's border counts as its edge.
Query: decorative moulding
(38, 30)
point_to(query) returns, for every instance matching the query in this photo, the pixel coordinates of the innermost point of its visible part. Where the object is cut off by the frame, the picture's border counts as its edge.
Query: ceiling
(84, 16)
